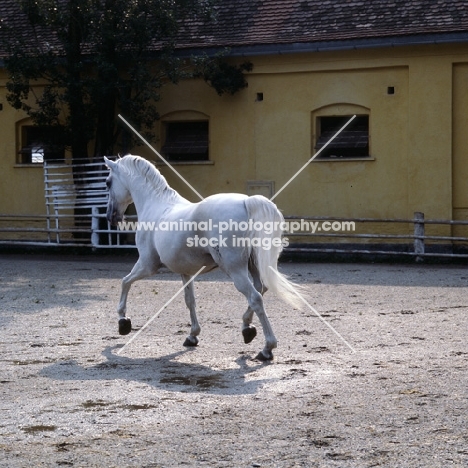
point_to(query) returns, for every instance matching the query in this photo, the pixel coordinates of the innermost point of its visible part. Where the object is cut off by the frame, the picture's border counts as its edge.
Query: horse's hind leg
(192, 339)
(139, 271)
(249, 332)
(255, 300)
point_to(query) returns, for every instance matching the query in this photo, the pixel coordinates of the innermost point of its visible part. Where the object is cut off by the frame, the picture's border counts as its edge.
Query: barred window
(186, 141)
(352, 142)
(39, 144)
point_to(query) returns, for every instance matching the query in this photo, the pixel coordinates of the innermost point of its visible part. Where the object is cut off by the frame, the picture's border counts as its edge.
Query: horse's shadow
(165, 373)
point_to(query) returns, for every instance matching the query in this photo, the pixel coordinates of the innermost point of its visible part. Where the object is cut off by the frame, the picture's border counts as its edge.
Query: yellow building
(402, 70)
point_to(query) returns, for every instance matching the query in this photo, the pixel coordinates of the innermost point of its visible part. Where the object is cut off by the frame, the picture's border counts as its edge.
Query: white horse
(238, 250)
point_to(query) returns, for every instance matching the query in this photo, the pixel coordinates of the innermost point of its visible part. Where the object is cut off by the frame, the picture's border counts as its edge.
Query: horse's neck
(151, 203)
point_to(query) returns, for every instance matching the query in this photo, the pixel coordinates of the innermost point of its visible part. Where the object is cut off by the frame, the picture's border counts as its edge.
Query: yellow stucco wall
(417, 135)
(410, 131)
(460, 146)
(21, 188)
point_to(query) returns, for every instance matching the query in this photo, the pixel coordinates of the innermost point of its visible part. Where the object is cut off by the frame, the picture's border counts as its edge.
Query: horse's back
(215, 208)
(215, 231)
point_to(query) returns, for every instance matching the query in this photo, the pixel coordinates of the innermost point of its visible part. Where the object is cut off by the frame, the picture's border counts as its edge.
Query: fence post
(95, 226)
(419, 235)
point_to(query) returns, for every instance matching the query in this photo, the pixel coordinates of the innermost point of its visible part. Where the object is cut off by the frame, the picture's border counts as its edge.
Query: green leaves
(87, 60)
(222, 76)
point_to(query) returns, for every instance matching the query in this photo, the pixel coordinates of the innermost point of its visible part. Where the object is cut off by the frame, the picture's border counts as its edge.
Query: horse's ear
(110, 164)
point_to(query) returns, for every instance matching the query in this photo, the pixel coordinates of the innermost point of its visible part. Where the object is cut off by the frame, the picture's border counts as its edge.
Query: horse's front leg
(192, 339)
(139, 271)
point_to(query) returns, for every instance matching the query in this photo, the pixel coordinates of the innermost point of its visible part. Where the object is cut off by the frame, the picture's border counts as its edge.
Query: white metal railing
(75, 204)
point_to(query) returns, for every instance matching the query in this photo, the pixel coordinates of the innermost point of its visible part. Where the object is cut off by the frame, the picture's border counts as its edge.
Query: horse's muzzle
(113, 215)
(114, 219)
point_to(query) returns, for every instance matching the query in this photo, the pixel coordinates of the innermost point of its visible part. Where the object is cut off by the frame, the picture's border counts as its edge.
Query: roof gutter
(323, 46)
(326, 46)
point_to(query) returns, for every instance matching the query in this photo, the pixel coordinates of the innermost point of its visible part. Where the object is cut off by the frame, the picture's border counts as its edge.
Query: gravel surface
(68, 398)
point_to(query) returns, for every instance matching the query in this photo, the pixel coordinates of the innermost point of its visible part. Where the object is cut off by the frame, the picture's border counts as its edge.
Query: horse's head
(119, 195)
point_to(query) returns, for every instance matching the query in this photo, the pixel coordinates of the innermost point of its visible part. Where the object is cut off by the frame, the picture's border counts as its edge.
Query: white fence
(75, 202)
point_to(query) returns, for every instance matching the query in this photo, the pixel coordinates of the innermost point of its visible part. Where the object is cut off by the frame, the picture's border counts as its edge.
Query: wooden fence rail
(76, 199)
(59, 229)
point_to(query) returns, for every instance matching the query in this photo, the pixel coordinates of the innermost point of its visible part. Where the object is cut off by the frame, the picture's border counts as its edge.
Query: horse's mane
(136, 166)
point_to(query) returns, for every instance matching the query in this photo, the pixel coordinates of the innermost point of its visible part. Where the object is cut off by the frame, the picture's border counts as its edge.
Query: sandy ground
(68, 398)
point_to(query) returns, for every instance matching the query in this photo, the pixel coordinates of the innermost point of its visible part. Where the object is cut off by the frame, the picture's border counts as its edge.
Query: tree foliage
(99, 57)
(222, 76)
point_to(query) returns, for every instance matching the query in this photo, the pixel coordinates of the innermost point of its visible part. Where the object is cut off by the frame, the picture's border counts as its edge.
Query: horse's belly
(190, 266)
(181, 255)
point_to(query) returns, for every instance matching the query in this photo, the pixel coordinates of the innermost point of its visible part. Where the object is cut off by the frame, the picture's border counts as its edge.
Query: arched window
(353, 142)
(185, 136)
(39, 143)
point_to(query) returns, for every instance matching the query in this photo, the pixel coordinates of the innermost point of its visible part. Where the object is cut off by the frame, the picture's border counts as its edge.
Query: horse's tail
(267, 245)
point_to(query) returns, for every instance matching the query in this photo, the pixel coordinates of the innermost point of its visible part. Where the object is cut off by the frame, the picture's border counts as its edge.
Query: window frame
(358, 132)
(29, 139)
(196, 140)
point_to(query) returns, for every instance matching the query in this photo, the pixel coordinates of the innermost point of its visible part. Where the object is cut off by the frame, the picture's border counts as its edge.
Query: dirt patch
(68, 398)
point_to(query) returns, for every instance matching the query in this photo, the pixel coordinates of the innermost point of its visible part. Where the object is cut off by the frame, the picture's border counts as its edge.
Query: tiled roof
(256, 22)
(14, 23)
(247, 23)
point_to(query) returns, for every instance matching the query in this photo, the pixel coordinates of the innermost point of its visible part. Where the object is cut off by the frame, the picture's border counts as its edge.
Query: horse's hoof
(191, 341)
(125, 326)
(264, 356)
(249, 333)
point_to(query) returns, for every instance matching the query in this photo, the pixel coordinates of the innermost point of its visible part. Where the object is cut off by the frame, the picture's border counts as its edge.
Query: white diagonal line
(161, 309)
(313, 157)
(147, 143)
(319, 316)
